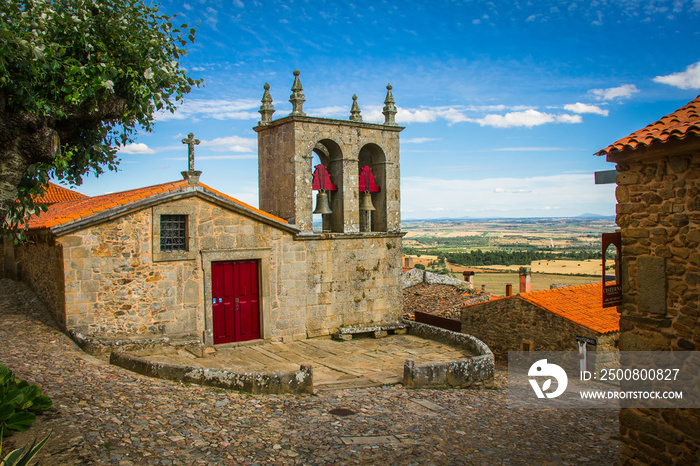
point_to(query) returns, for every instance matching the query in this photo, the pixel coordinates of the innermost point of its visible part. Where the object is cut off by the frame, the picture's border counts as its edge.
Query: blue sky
(504, 102)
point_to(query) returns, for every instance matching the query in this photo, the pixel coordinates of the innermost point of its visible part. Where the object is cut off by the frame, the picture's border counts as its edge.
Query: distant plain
(428, 241)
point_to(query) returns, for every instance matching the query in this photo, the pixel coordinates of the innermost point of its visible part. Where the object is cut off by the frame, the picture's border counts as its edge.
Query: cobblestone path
(106, 415)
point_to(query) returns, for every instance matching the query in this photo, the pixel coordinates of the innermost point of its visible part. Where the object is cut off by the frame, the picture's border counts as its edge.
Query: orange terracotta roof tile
(678, 125)
(55, 194)
(64, 212)
(243, 204)
(582, 304)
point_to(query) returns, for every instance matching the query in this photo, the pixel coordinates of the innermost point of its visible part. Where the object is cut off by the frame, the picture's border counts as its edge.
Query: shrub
(20, 402)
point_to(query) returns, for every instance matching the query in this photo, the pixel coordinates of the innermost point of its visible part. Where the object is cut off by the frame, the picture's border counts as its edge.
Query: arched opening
(372, 173)
(328, 180)
(611, 263)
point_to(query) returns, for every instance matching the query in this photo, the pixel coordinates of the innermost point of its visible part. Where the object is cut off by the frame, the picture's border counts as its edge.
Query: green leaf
(14, 398)
(13, 458)
(41, 403)
(6, 410)
(33, 450)
(20, 421)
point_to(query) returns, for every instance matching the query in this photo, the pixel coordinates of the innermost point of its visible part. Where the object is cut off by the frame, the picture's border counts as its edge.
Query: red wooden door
(235, 301)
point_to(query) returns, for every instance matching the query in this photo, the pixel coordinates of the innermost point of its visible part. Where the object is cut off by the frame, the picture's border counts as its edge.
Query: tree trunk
(25, 139)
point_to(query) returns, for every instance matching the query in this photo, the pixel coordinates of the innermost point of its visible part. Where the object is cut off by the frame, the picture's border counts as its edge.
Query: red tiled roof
(581, 304)
(55, 193)
(64, 212)
(678, 125)
(243, 204)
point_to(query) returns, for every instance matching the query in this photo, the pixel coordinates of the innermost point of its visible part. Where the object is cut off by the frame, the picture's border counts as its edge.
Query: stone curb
(294, 382)
(474, 371)
(103, 346)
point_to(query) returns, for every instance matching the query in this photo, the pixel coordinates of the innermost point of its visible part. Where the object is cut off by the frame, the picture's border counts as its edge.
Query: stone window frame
(161, 256)
(527, 345)
(262, 255)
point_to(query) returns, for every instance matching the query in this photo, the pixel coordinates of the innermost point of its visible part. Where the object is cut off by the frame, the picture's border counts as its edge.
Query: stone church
(183, 260)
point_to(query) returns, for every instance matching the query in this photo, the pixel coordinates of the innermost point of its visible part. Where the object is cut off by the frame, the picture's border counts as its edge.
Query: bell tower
(358, 175)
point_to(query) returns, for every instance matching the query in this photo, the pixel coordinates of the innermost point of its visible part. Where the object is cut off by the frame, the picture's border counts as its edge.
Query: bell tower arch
(286, 148)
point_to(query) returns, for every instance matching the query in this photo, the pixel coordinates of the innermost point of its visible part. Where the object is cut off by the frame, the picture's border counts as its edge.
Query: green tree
(78, 78)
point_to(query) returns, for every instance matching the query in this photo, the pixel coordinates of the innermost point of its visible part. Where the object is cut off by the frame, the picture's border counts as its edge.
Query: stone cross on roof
(191, 142)
(191, 175)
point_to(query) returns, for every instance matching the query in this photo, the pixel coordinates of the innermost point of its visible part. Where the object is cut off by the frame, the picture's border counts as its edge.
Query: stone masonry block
(651, 280)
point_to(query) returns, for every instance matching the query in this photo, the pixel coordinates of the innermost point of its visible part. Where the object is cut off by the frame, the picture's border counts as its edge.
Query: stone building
(545, 320)
(183, 260)
(658, 212)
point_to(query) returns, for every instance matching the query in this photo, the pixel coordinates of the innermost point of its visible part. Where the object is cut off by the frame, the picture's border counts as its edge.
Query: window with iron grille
(173, 233)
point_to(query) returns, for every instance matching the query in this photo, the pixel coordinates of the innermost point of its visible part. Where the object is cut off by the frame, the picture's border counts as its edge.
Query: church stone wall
(114, 286)
(353, 281)
(40, 265)
(659, 213)
(309, 287)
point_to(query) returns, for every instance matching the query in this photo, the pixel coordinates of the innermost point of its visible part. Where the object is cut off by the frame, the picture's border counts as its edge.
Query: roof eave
(686, 145)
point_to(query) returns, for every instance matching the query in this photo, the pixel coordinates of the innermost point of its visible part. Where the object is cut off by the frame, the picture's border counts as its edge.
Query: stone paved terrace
(362, 362)
(106, 415)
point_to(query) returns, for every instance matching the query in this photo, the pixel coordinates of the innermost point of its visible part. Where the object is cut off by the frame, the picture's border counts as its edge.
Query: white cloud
(137, 148)
(579, 107)
(419, 140)
(499, 190)
(564, 118)
(217, 157)
(231, 144)
(621, 92)
(528, 118)
(196, 109)
(519, 116)
(227, 157)
(688, 79)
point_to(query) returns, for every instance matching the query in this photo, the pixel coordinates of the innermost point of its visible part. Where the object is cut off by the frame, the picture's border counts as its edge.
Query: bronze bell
(366, 201)
(322, 204)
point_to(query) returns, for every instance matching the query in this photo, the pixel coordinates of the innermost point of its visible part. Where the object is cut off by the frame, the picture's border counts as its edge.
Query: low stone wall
(104, 346)
(300, 381)
(474, 371)
(415, 276)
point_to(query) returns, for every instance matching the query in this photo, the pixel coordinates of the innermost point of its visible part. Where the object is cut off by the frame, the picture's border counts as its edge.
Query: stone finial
(266, 109)
(297, 98)
(355, 110)
(389, 109)
(191, 175)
